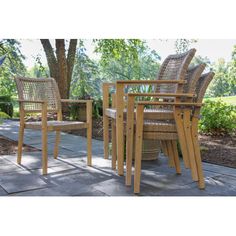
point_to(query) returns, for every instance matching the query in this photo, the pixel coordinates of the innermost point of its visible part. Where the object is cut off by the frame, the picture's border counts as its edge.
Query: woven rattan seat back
(174, 67)
(34, 89)
(192, 77)
(202, 85)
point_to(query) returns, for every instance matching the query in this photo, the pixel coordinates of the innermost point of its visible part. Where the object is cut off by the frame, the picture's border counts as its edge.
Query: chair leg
(189, 142)
(20, 143)
(176, 157)
(170, 153)
(113, 161)
(106, 136)
(182, 138)
(44, 151)
(194, 131)
(56, 147)
(129, 140)
(163, 148)
(138, 148)
(89, 146)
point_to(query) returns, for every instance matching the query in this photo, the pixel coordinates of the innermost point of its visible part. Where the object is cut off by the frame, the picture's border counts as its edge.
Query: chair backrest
(38, 89)
(174, 67)
(202, 85)
(192, 77)
(201, 88)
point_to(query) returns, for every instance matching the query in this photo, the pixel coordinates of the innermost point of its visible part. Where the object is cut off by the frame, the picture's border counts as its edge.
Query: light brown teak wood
(120, 127)
(129, 139)
(106, 120)
(45, 126)
(138, 147)
(113, 126)
(44, 139)
(189, 142)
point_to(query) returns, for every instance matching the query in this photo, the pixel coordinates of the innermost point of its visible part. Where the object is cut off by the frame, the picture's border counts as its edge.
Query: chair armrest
(170, 103)
(162, 95)
(32, 101)
(137, 82)
(75, 101)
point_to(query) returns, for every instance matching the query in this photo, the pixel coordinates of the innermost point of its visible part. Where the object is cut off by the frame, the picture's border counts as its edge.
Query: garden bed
(8, 146)
(220, 150)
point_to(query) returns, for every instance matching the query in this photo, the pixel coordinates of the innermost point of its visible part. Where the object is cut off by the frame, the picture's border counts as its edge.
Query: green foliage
(6, 105)
(218, 118)
(220, 85)
(38, 70)
(183, 45)
(199, 59)
(86, 82)
(3, 116)
(118, 48)
(232, 73)
(13, 65)
(131, 60)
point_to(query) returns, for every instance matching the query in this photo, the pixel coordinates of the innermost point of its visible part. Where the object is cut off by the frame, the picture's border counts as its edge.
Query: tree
(86, 81)
(220, 85)
(61, 62)
(13, 65)
(183, 45)
(232, 73)
(127, 60)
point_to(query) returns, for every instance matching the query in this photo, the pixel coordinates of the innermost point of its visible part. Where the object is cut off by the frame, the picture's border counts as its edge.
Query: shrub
(78, 111)
(3, 116)
(6, 105)
(218, 118)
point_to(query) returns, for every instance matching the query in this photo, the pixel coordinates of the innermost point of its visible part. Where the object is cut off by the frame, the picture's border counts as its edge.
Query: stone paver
(20, 181)
(69, 175)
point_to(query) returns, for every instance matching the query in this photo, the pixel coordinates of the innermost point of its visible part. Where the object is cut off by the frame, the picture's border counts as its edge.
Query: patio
(70, 176)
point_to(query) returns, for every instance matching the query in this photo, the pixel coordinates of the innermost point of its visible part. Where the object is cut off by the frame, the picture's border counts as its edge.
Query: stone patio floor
(70, 176)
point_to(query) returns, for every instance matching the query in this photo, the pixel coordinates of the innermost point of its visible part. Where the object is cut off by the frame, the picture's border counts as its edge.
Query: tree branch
(71, 59)
(51, 59)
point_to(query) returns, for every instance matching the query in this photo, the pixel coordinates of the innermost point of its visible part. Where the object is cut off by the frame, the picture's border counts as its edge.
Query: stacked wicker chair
(165, 127)
(170, 83)
(42, 96)
(190, 130)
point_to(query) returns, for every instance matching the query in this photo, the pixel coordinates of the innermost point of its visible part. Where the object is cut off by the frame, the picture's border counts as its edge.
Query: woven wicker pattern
(202, 85)
(174, 68)
(192, 76)
(38, 89)
(156, 126)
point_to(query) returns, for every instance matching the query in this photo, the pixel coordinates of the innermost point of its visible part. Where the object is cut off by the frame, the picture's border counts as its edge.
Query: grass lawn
(229, 100)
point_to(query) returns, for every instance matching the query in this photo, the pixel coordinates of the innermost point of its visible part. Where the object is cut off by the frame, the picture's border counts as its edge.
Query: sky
(211, 48)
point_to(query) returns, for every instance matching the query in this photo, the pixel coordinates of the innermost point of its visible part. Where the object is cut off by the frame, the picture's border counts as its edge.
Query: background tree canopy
(12, 65)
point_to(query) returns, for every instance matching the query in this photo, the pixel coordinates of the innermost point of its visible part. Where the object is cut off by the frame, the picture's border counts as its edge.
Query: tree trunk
(60, 65)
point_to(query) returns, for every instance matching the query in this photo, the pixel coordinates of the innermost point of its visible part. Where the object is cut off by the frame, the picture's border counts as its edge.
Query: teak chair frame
(41, 95)
(192, 130)
(177, 78)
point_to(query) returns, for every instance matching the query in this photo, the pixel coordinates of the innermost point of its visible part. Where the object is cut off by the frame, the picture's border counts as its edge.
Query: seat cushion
(57, 125)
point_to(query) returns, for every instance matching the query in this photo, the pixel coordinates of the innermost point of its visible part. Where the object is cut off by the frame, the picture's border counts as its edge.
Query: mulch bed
(220, 150)
(97, 131)
(8, 146)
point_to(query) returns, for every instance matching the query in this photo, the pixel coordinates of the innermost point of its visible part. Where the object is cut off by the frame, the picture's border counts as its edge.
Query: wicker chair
(164, 123)
(42, 96)
(152, 131)
(170, 80)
